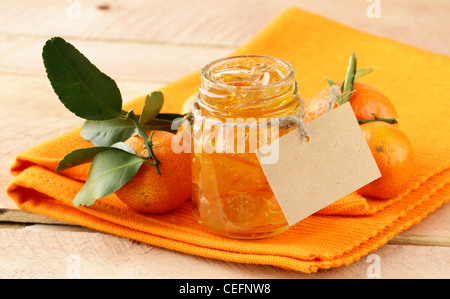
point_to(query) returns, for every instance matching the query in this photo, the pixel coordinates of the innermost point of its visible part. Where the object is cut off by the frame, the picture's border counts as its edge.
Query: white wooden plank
(176, 21)
(421, 240)
(121, 61)
(17, 216)
(53, 254)
(422, 23)
(437, 223)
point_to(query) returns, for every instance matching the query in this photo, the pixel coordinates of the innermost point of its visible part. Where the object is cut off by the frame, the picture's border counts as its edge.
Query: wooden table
(144, 45)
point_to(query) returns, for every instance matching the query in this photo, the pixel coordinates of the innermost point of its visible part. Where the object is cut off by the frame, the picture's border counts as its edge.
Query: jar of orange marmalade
(231, 194)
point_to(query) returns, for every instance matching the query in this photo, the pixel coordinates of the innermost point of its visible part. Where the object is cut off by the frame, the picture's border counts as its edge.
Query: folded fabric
(415, 80)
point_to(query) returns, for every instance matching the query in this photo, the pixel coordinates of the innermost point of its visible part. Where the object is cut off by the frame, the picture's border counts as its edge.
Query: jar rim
(205, 74)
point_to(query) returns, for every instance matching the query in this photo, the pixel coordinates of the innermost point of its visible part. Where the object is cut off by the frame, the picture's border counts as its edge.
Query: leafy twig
(387, 120)
(147, 141)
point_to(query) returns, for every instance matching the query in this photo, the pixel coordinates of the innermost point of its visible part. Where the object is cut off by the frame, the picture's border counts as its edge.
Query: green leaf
(80, 86)
(85, 155)
(362, 72)
(107, 132)
(152, 106)
(349, 79)
(110, 170)
(331, 82)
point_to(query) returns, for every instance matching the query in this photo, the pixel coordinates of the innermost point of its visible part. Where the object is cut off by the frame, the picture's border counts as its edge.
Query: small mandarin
(365, 101)
(393, 153)
(149, 192)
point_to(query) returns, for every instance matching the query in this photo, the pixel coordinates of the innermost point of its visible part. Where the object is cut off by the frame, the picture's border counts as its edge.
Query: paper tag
(334, 163)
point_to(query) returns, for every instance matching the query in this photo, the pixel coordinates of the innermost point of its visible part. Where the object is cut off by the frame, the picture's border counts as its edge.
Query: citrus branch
(387, 120)
(147, 140)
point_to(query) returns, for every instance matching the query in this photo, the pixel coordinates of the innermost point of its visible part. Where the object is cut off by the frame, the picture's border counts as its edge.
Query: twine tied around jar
(283, 123)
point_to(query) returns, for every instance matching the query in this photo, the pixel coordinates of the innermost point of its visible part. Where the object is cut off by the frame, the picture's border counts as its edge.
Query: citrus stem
(123, 115)
(151, 149)
(147, 140)
(387, 120)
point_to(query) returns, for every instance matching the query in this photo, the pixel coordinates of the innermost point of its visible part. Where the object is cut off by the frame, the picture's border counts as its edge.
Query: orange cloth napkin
(416, 81)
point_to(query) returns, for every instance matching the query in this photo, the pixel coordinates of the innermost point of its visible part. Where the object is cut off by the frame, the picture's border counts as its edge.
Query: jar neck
(248, 86)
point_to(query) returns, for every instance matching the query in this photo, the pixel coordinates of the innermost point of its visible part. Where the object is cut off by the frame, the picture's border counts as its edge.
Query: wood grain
(143, 62)
(421, 23)
(24, 217)
(406, 239)
(143, 45)
(41, 253)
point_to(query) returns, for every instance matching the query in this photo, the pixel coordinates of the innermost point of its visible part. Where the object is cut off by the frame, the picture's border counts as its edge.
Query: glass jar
(238, 97)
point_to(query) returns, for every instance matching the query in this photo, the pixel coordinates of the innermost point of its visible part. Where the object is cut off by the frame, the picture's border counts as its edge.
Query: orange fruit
(365, 101)
(149, 192)
(316, 106)
(393, 153)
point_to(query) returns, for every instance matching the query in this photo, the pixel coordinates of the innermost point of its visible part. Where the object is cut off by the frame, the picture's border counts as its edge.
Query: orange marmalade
(231, 195)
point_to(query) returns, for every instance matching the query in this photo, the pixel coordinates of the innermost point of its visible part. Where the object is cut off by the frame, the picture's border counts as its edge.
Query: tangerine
(317, 106)
(393, 153)
(366, 102)
(149, 192)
